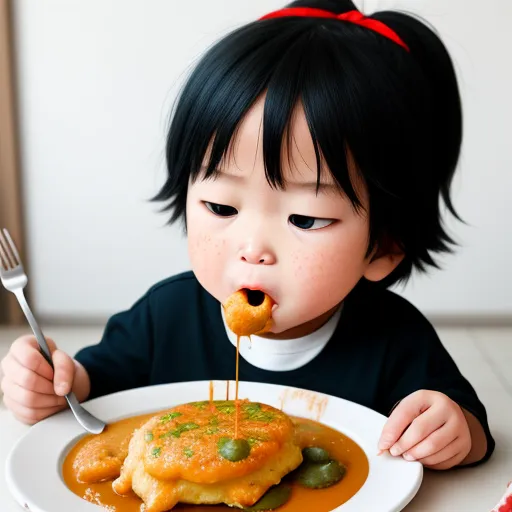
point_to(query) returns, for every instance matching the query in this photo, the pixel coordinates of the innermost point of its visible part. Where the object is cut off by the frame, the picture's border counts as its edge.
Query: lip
(261, 288)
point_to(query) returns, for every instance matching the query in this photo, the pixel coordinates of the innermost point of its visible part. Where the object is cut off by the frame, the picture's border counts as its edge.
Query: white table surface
(472, 489)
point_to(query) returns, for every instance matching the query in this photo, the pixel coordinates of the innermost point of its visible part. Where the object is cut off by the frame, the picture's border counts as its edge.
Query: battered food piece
(101, 458)
(248, 312)
(191, 455)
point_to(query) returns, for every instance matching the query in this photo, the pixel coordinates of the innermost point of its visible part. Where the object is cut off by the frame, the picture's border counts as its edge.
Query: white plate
(33, 468)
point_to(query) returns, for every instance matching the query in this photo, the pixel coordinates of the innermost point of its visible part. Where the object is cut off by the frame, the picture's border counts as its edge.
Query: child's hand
(30, 390)
(429, 427)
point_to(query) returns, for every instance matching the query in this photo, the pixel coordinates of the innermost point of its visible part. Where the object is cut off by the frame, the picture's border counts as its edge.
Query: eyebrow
(217, 173)
(313, 185)
(304, 185)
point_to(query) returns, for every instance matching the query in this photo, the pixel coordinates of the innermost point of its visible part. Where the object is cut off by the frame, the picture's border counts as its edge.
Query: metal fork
(14, 279)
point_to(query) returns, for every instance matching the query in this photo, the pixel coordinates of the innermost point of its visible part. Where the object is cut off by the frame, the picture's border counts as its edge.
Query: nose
(256, 254)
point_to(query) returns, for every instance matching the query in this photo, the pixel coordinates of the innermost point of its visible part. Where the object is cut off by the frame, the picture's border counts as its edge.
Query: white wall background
(96, 81)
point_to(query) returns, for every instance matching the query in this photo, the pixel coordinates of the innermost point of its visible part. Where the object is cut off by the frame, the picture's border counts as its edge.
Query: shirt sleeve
(122, 359)
(416, 359)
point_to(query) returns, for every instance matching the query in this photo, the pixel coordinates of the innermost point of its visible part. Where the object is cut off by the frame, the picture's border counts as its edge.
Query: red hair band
(352, 16)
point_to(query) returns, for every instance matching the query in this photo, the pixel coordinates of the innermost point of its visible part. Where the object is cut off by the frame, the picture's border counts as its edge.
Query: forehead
(298, 158)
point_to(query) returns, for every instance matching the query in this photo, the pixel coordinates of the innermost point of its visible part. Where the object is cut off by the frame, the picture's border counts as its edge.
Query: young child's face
(307, 250)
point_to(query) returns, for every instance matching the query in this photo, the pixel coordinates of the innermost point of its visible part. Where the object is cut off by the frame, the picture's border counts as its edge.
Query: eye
(221, 210)
(309, 223)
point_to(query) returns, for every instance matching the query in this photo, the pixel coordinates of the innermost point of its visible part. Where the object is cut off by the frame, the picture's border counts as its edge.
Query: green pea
(315, 454)
(320, 475)
(272, 499)
(233, 449)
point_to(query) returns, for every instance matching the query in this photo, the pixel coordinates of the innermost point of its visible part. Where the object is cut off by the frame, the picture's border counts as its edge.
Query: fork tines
(9, 257)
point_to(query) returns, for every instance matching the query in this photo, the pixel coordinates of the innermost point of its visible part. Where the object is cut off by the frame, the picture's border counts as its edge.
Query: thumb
(64, 372)
(401, 417)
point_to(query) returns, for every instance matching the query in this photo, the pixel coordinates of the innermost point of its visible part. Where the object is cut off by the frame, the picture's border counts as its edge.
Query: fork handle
(43, 346)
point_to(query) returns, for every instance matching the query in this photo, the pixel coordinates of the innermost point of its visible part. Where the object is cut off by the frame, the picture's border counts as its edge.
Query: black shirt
(382, 350)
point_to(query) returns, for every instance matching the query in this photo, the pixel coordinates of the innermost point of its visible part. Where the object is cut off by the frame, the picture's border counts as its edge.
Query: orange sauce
(309, 433)
(212, 407)
(237, 403)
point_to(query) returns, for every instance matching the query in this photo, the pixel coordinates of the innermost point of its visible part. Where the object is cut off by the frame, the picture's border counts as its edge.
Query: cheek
(327, 271)
(204, 246)
(206, 250)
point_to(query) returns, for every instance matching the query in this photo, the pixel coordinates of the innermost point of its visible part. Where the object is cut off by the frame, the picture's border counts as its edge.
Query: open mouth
(255, 297)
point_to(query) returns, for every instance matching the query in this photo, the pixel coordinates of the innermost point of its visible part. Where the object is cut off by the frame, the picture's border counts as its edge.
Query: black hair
(398, 112)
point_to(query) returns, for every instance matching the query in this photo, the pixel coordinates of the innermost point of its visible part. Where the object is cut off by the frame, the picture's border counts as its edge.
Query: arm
(478, 439)
(122, 360)
(420, 375)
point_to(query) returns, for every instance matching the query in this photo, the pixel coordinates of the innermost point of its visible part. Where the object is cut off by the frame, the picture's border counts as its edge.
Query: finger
(31, 340)
(421, 428)
(13, 408)
(26, 351)
(27, 415)
(434, 443)
(401, 417)
(30, 399)
(446, 458)
(64, 372)
(26, 378)
(446, 453)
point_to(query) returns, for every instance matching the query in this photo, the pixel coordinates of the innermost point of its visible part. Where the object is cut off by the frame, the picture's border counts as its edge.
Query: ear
(382, 264)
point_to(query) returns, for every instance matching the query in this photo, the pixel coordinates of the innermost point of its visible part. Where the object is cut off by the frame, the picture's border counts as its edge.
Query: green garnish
(148, 436)
(252, 409)
(213, 428)
(254, 412)
(274, 498)
(184, 427)
(156, 452)
(170, 416)
(233, 450)
(200, 405)
(226, 407)
(318, 475)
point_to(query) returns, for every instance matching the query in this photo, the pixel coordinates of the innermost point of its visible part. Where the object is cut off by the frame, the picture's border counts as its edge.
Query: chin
(298, 326)
(282, 325)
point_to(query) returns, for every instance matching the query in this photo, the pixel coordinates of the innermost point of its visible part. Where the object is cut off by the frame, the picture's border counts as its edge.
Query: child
(308, 154)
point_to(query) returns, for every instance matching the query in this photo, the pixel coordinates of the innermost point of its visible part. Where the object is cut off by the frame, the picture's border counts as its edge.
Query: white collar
(284, 355)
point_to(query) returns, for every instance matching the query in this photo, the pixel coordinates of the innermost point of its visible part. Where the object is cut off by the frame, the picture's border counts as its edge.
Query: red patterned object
(505, 504)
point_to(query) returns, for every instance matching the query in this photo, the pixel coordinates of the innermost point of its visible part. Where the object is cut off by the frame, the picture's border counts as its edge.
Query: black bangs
(255, 60)
(366, 100)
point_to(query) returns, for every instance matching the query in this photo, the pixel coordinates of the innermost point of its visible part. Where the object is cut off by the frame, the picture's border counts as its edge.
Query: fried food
(191, 455)
(248, 312)
(101, 458)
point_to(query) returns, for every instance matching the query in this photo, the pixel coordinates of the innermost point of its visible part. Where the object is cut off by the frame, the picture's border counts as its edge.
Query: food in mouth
(248, 312)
